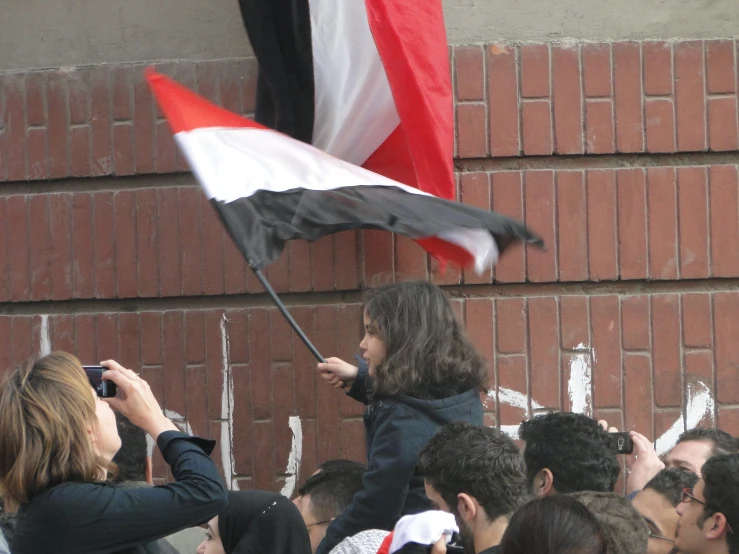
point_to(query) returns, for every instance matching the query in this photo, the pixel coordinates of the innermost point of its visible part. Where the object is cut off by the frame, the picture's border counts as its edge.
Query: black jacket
(397, 429)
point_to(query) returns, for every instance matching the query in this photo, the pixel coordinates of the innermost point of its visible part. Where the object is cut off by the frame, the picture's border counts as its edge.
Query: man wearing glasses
(710, 509)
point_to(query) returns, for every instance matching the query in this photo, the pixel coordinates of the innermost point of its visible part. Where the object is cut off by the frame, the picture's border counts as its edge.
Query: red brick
(662, 216)
(173, 364)
(540, 206)
(143, 123)
(690, 96)
(602, 234)
(106, 334)
(632, 223)
(147, 242)
(534, 70)
(309, 460)
(35, 85)
(664, 419)
(260, 363)
(660, 125)
(125, 244)
(249, 84)
(543, 349)
(60, 221)
(305, 366)
(104, 245)
(599, 137)
(242, 421)
(628, 96)
(235, 268)
(724, 194)
(215, 361)
(726, 321)
(100, 121)
(697, 322)
(471, 131)
(699, 367)
(22, 343)
(353, 444)
(229, 78)
(327, 398)
(84, 337)
(378, 257)
(503, 101)
(170, 276)
(572, 226)
(410, 259)
(322, 256)
(346, 262)
(37, 159)
(195, 336)
(635, 321)
(606, 329)
(479, 324)
(720, 66)
(121, 82)
(212, 244)
(151, 338)
(278, 272)
(469, 72)
(693, 222)
(190, 242)
(58, 126)
(657, 68)
(512, 375)
(79, 96)
(166, 149)
(284, 400)
(300, 265)
(80, 148)
(208, 81)
(638, 393)
(263, 462)
(281, 337)
(508, 199)
(82, 245)
(4, 249)
(39, 237)
(568, 109)
(666, 350)
(728, 420)
(511, 337)
(15, 131)
(596, 61)
(129, 340)
(537, 128)
(6, 330)
(475, 191)
(62, 337)
(574, 320)
(722, 124)
(123, 147)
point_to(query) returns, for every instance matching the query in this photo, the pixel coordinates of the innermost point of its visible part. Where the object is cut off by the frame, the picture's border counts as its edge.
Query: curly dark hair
(478, 461)
(428, 354)
(332, 490)
(624, 528)
(670, 483)
(721, 493)
(578, 452)
(552, 525)
(723, 442)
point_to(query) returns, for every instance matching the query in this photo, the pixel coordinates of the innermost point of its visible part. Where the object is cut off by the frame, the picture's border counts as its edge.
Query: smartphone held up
(622, 442)
(104, 389)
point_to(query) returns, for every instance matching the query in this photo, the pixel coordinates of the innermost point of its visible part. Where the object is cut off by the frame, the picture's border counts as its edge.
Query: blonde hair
(46, 408)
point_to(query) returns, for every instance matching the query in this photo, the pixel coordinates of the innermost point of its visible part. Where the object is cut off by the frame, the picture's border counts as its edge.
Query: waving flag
(367, 81)
(270, 188)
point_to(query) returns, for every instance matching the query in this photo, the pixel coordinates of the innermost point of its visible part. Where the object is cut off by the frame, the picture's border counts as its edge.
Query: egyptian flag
(270, 188)
(367, 81)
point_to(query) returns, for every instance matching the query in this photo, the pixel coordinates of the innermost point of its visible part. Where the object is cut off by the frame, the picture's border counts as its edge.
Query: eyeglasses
(317, 523)
(687, 496)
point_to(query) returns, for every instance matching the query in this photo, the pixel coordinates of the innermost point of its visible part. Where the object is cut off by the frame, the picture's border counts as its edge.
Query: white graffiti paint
(579, 386)
(179, 420)
(514, 398)
(296, 454)
(700, 404)
(44, 341)
(227, 411)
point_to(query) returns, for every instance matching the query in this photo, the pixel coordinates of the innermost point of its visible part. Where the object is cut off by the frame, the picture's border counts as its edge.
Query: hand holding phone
(623, 442)
(103, 388)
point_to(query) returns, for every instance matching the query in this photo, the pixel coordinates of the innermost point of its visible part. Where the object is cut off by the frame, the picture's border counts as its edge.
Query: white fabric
(354, 107)
(366, 542)
(423, 528)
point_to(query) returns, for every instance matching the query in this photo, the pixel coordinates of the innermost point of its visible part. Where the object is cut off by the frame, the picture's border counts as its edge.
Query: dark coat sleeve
(399, 437)
(362, 383)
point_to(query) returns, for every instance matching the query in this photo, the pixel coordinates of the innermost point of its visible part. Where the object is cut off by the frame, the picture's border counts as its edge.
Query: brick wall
(623, 156)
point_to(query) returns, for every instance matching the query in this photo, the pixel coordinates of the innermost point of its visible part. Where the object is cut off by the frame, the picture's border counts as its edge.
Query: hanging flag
(367, 81)
(270, 188)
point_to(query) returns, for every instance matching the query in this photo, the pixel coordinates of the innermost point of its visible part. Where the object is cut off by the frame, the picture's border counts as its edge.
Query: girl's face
(372, 346)
(212, 543)
(104, 436)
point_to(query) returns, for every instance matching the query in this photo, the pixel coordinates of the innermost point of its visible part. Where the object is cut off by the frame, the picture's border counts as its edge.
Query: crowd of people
(75, 474)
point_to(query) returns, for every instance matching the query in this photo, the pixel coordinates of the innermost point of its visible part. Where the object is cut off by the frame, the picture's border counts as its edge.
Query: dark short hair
(131, 458)
(329, 465)
(479, 461)
(427, 354)
(552, 525)
(624, 528)
(721, 493)
(670, 483)
(578, 452)
(332, 491)
(723, 442)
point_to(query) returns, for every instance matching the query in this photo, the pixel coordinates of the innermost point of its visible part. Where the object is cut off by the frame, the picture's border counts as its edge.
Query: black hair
(555, 524)
(723, 442)
(131, 458)
(578, 452)
(624, 528)
(721, 493)
(670, 483)
(328, 465)
(428, 354)
(333, 490)
(479, 461)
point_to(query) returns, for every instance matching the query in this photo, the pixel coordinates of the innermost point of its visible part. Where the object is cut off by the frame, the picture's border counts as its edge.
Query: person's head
(709, 513)
(624, 529)
(328, 465)
(256, 521)
(132, 459)
(476, 473)
(325, 495)
(567, 452)
(553, 525)
(53, 428)
(414, 344)
(695, 446)
(657, 501)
